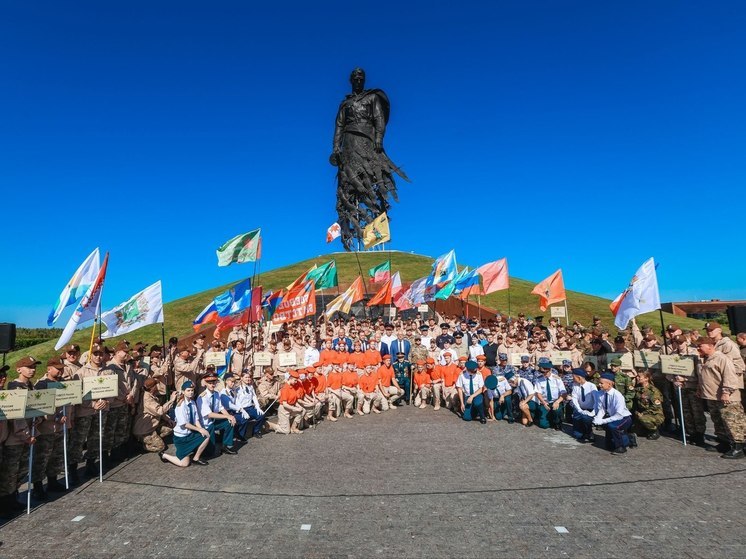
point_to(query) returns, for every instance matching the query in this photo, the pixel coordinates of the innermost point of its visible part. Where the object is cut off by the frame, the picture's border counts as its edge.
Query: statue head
(357, 79)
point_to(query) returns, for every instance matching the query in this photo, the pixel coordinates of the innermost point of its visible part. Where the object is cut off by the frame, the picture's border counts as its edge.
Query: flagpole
(365, 287)
(163, 352)
(509, 314)
(30, 467)
(100, 446)
(64, 445)
(567, 313)
(678, 388)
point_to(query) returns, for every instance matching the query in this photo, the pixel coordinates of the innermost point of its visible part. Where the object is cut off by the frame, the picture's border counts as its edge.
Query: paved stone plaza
(407, 483)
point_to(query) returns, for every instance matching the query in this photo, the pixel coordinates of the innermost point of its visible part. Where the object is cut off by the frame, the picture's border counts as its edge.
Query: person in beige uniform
(268, 388)
(117, 428)
(240, 358)
(187, 367)
(720, 384)
(726, 346)
(86, 420)
(152, 423)
(71, 361)
(14, 467)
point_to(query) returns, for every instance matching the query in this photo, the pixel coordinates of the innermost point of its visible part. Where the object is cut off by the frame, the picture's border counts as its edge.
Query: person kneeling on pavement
(190, 435)
(152, 423)
(214, 416)
(612, 413)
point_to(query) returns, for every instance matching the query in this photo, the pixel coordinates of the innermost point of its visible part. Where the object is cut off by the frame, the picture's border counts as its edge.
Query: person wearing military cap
(187, 367)
(49, 458)
(726, 346)
(620, 346)
(527, 370)
(214, 416)
(445, 336)
(118, 420)
(720, 384)
(460, 344)
(14, 465)
(624, 381)
(613, 415)
(71, 361)
(583, 403)
(422, 385)
(419, 349)
(403, 372)
(470, 389)
(152, 423)
(548, 404)
(86, 419)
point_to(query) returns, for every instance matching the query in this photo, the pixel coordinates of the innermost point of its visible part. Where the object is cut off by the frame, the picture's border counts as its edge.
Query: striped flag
(343, 302)
(82, 279)
(242, 248)
(382, 272)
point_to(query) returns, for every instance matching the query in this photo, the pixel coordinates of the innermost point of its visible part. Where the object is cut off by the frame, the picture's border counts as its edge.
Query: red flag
(333, 232)
(298, 303)
(383, 297)
(550, 290)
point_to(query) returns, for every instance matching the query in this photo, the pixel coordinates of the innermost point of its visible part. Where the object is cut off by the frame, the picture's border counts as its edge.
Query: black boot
(54, 485)
(698, 439)
(38, 492)
(90, 467)
(14, 504)
(73, 473)
(720, 447)
(736, 451)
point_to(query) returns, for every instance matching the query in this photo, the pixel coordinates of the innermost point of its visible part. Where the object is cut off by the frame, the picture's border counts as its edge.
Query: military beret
(580, 373)
(421, 362)
(471, 365)
(481, 358)
(310, 369)
(187, 384)
(545, 363)
(539, 318)
(430, 361)
(387, 356)
(609, 376)
(672, 328)
(502, 356)
(509, 375)
(462, 359)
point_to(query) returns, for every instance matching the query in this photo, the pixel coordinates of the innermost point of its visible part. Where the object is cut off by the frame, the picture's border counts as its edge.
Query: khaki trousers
(423, 393)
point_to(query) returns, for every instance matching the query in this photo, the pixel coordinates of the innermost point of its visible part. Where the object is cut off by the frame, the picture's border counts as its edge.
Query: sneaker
(229, 450)
(618, 451)
(200, 462)
(654, 436)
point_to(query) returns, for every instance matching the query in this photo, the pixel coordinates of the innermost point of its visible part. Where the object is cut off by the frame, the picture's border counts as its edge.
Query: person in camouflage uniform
(418, 351)
(648, 406)
(49, 459)
(624, 383)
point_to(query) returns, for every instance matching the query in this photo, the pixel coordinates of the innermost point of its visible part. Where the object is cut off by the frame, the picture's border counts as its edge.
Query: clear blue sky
(583, 135)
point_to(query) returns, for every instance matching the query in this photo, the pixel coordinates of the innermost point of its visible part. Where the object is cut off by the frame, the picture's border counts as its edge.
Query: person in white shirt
(310, 354)
(525, 391)
(548, 405)
(470, 387)
(214, 416)
(583, 402)
(190, 434)
(447, 349)
(475, 349)
(389, 336)
(612, 413)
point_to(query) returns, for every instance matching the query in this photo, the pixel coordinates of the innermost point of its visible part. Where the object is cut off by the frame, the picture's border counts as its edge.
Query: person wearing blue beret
(470, 386)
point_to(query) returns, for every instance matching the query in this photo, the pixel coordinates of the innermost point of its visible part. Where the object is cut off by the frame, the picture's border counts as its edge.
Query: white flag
(140, 310)
(82, 279)
(640, 297)
(88, 308)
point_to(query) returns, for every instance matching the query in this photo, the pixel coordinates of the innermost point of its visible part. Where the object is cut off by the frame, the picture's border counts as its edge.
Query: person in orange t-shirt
(341, 356)
(372, 354)
(389, 389)
(327, 355)
(357, 358)
(309, 402)
(449, 373)
(349, 390)
(334, 384)
(289, 413)
(422, 383)
(319, 386)
(437, 381)
(368, 396)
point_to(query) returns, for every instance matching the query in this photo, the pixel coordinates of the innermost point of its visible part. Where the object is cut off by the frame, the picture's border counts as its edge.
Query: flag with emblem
(236, 299)
(333, 232)
(88, 307)
(324, 276)
(444, 269)
(82, 279)
(641, 295)
(376, 232)
(208, 314)
(246, 247)
(139, 310)
(551, 290)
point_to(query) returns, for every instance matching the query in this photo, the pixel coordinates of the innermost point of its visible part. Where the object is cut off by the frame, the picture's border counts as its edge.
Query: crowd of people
(284, 381)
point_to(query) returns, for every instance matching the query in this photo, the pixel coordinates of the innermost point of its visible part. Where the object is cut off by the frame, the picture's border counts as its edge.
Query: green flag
(324, 276)
(382, 272)
(243, 248)
(448, 289)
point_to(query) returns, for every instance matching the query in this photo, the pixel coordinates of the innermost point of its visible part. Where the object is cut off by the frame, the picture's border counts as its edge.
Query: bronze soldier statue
(364, 171)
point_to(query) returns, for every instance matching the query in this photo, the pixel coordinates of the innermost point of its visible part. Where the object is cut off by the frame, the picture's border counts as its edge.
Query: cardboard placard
(558, 356)
(262, 359)
(515, 358)
(13, 404)
(647, 359)
(97, 388)
(681, 365)
(391, 312)
(216, 358)
(274, 328)
(423, 308)
(288, 359)
(69, 392)
(557, 312)
(626, 359)
(40, 402)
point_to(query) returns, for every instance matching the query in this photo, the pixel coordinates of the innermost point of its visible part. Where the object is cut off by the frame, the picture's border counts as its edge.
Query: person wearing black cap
(444, 336)
(470, 387)
(14, 466)
(214, 416)
(583, 402)
(548, 404)
(612, 413)
(425, 337)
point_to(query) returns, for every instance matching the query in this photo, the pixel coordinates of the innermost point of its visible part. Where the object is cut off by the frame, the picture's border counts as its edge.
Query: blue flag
(236, 299)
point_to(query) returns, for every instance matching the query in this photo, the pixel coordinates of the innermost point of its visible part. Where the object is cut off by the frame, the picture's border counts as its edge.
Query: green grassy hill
(180, 313)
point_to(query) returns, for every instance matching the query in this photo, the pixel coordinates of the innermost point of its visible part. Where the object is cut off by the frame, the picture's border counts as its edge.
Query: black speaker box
(7, 337)
(737, 319)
